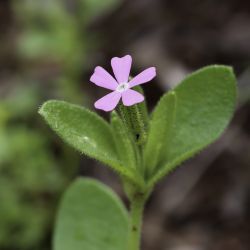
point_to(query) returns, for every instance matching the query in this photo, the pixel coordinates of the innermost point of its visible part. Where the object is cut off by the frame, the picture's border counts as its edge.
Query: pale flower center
(122, 87)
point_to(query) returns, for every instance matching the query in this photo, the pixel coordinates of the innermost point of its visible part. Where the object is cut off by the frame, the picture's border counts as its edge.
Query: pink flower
(121, 86)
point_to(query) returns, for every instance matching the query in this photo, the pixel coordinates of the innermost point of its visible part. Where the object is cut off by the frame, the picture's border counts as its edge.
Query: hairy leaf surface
(124, 143)
(160, 132)
(85, 131)
(205, 105)
(91, 217)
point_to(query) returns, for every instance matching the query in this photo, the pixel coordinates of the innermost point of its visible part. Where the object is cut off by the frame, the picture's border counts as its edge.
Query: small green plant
(141, 148)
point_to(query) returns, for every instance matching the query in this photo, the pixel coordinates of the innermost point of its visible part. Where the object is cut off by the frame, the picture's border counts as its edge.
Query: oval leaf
(160, 131)
(205, 104)
(91, 217)
(85, 131)
(124, 142)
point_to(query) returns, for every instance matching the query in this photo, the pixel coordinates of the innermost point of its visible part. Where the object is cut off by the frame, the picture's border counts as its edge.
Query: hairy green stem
(136, 215)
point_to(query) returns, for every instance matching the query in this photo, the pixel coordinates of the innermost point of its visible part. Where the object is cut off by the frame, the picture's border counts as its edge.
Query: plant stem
(136, 214)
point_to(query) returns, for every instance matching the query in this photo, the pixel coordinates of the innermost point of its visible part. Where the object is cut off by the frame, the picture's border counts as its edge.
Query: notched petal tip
(121, 67)
(128, 57)
(98, 69)
(145, 76)
(108, 102)
(102, 78)
(98, 106)
(131, 97)
(92, 78)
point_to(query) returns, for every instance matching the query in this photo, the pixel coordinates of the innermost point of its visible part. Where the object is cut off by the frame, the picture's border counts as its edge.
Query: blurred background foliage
(48, 49)
(49, 44)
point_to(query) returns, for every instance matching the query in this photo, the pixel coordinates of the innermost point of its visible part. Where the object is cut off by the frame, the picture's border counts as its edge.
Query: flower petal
(103, 79)
(109, 101)
(145, 76)
(131, 97)
(121, 67)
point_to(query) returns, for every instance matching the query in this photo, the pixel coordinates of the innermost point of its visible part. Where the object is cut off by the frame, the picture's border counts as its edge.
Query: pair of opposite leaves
(185, 121)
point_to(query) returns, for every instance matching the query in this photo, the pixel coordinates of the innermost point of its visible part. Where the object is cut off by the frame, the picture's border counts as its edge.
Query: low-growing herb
(141, 148)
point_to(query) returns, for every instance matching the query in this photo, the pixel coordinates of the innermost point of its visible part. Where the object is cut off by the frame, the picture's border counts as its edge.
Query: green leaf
(161, 126)
(205, 105)
(127, 149)
(85, 131)
(124, 142)
(91, 217)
